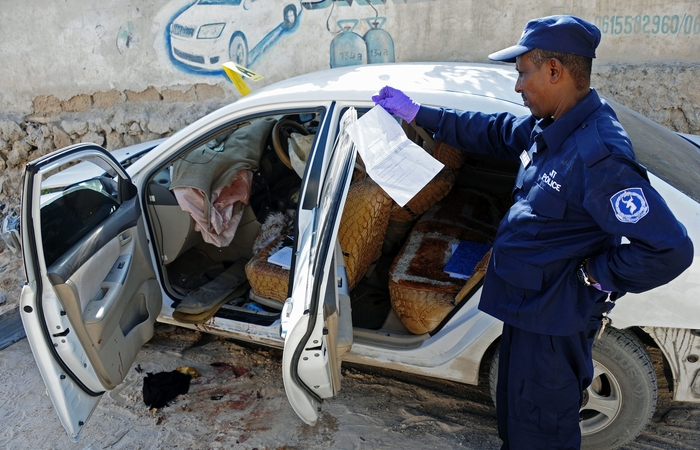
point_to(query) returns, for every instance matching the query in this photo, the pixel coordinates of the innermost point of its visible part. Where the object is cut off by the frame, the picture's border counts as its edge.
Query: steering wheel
(280, 138)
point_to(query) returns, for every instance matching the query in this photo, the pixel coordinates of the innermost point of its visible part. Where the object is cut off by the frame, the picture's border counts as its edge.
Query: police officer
(558, 259)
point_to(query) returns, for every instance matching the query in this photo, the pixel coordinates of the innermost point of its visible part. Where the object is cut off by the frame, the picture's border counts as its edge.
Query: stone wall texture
(668, 93)
(111, 119)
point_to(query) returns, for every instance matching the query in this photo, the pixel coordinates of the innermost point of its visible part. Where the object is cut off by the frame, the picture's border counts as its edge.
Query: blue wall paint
(253, 54)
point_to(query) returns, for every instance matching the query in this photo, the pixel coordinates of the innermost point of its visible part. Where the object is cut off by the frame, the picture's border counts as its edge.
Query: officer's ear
(556, 70)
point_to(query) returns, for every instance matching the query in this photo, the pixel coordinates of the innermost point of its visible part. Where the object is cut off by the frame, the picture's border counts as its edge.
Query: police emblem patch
(630, 205)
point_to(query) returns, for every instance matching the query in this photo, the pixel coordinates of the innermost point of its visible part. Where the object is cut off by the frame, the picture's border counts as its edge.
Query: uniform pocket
(545, 203)
(518, 273)
(546, 407)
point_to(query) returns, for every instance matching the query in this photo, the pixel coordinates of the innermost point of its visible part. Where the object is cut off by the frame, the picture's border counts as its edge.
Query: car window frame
(228, 126)
(104, 204)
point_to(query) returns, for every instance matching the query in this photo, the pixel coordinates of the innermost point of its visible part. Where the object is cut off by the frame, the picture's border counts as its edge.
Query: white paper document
(394, 162)
(282, 257)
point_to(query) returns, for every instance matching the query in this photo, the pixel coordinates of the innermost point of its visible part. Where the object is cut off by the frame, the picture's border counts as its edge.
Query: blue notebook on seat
(464, 259)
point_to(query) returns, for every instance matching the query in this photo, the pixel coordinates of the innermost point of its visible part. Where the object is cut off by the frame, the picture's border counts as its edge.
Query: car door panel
(73, 403)
(69, 261)
(109, 305)
(316, 322)
(92, 298)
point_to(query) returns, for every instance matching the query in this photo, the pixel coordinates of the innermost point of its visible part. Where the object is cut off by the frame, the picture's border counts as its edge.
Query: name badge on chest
(525, 158)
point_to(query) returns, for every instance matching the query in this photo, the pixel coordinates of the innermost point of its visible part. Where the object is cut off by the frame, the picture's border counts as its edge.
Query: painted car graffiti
(212, 32)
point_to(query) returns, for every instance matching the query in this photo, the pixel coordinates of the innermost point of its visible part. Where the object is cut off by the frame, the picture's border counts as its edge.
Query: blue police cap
(566, 34)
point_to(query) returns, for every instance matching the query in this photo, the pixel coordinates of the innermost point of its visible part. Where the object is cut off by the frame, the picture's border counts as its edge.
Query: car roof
(416, 79)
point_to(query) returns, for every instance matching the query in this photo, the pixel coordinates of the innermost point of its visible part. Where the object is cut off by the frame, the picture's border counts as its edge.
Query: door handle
(125, 238)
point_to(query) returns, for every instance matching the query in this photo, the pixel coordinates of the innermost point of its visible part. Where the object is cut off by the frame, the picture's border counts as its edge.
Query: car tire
(624, 390)
(621, 400)
(238, 49)
(289, 17)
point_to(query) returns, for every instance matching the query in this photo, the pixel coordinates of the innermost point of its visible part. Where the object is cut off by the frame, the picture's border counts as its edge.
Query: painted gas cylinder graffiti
(380, 45)
(209, 33)
(125, 37)
(205, 34)
(348, 48)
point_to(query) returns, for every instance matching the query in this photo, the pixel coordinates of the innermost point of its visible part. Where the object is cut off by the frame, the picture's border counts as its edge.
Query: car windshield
(662, 152)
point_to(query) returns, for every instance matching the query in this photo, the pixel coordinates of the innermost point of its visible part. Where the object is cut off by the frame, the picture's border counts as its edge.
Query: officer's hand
(397, 103)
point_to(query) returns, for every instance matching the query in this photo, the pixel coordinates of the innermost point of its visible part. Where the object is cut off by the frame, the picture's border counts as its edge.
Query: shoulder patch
(630, 205)
(590, 146)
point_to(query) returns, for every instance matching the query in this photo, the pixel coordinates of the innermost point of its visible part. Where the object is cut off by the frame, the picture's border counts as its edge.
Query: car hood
(198, 15)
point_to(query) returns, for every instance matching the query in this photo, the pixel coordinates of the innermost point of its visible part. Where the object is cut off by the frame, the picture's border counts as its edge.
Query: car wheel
(621, 400)
(289, 17)
(238, 50)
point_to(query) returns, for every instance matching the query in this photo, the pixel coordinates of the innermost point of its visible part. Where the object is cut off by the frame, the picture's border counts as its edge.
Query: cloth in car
(213, 182)
(299, 149)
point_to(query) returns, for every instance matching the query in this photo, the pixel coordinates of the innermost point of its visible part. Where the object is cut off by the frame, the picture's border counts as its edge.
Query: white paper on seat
(282, 258)
(394, 162)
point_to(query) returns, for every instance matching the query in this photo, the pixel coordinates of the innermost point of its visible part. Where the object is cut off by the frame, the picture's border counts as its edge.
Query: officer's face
(533, 84)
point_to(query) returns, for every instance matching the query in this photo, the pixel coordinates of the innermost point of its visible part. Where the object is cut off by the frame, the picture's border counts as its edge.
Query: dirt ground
(239, 402)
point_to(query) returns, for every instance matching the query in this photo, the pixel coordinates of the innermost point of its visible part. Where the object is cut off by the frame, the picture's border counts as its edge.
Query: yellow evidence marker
(236, 72)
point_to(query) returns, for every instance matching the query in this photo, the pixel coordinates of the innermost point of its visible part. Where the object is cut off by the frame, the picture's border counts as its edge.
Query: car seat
(421, 292)
(403, 218)
(363, 225)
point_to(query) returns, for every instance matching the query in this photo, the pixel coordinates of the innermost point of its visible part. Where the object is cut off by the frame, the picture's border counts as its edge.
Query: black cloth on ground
(161, 388)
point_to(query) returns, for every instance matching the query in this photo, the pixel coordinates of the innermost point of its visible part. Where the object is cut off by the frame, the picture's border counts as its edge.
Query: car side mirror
(109, 185)
(127, 190)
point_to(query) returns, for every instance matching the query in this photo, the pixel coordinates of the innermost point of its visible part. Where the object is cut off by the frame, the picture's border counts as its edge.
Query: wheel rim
(290, 16)
(602, 400)
(238, 51)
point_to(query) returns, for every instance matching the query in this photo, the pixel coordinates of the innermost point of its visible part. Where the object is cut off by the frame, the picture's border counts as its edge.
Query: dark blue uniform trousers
(541, 379)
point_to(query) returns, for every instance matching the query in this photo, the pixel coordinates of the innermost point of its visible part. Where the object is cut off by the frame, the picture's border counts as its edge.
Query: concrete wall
(121, 72)
(77, 47)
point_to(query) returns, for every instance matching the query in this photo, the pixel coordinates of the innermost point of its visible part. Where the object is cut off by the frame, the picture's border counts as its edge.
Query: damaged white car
(258, 222)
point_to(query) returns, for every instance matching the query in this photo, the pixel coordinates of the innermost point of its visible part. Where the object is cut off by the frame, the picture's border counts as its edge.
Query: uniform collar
(555, 132)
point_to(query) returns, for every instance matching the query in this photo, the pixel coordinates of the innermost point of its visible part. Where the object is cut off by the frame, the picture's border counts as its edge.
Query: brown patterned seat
(402, 218)
(361, 232)
(422, 294)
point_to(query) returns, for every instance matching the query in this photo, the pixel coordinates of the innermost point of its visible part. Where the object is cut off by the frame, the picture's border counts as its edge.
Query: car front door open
(91, 298)
(316, 320)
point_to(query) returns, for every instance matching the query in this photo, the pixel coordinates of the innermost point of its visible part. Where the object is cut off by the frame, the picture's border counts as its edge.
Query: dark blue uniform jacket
(578, 191)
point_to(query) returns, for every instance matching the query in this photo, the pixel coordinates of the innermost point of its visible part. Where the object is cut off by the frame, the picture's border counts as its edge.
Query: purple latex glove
(600, 288)
(397, 103)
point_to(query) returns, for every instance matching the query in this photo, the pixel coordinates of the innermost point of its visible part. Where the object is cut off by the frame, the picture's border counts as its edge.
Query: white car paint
(674, 305)
(84, 171)
(456, 351)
